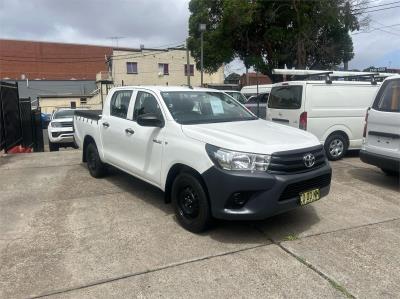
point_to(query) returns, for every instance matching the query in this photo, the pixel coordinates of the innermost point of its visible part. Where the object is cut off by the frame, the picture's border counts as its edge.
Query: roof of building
(55, 88)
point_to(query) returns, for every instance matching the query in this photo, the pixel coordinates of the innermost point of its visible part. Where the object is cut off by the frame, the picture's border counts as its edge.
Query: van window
(388, 98)
(285, 97)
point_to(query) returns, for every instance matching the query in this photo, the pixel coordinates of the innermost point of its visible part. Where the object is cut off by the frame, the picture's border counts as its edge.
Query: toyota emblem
(309, 160)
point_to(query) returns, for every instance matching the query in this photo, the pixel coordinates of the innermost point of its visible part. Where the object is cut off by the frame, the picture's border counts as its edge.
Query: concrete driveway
(64, 234)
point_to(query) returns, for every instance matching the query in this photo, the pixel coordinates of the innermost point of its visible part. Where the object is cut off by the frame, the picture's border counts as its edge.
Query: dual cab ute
(210, 155)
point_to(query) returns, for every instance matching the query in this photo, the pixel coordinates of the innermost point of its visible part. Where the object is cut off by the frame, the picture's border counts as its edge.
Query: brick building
(51, 61)
(252, 79)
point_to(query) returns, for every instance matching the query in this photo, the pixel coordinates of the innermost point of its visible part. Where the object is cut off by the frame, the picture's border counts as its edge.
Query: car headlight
(232, 160)
(56, 124)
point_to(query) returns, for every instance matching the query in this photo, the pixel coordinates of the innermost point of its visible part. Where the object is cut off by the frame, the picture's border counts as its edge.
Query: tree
(272, 34)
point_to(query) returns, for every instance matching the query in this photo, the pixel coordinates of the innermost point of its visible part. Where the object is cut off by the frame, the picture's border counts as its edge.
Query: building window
(131, 68)
(191, 70)
(163, 68)
(83, 101)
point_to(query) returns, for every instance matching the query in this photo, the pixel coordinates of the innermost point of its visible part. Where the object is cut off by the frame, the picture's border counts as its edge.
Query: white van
(251, 90)
(334, 112)
(381, 146)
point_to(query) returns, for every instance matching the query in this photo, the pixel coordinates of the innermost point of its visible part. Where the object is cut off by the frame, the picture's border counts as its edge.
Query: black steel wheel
(53, 147)
(390, 172)
(96, 167)
(190, 203)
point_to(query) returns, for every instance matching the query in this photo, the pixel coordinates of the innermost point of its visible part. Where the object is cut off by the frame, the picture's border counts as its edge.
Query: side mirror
(150, 120)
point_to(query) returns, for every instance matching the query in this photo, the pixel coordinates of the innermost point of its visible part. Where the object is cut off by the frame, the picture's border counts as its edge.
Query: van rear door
(383, 124)
(285, 104)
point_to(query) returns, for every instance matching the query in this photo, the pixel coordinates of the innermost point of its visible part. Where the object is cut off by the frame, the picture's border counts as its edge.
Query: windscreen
(285, 97)
(195, 107)
(64, 114)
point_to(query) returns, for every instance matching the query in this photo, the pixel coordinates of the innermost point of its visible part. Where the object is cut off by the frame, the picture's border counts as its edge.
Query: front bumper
(265, 194)
(61, 135)
(385, 162)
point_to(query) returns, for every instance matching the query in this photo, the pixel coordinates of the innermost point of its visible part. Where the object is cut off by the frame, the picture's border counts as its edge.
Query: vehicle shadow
(376, 177)
(277, 228)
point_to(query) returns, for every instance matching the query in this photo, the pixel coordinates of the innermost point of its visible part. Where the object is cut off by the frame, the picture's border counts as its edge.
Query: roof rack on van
(329, 74)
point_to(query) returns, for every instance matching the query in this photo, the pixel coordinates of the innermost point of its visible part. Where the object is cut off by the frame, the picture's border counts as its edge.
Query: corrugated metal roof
(35, 88)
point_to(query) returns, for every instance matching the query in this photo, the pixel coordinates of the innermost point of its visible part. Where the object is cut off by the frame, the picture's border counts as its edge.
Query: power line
(370, 30)
(380, 5)
(386, 8)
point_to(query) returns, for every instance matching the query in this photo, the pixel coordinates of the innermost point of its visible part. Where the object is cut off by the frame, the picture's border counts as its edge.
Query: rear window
(388, 98)
(285, 97)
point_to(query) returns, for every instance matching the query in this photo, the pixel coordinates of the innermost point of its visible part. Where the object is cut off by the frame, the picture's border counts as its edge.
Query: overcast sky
(157, 23)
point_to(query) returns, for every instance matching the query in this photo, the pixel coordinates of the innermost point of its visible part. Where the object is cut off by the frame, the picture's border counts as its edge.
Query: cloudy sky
(158, 23)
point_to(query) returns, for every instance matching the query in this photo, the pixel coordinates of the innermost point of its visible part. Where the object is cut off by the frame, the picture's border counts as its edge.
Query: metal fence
(19, 124)
(11, 130)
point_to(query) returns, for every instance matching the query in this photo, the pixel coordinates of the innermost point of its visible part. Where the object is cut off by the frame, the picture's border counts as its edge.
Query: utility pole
(258, 98)
(202, 28)
(187, 64)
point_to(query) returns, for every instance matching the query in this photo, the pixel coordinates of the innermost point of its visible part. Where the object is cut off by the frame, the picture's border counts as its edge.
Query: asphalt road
(67, 235)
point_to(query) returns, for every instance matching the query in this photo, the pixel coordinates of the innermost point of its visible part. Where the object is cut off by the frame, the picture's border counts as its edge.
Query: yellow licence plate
(309, 196)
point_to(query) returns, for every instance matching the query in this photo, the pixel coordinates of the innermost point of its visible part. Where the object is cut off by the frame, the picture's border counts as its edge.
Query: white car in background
(381, 146)
(254, 90)
(237, 95)
(60, 129)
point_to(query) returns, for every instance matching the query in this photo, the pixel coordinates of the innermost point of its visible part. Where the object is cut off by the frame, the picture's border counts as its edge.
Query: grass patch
(291, 238)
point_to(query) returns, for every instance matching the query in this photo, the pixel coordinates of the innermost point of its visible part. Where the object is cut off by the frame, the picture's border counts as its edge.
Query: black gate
(19, 124)
(10, 122)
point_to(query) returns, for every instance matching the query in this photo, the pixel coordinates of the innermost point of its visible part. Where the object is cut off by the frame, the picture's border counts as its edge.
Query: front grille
(292, 161)
(56, 134)
(294, 190)
(66, 124)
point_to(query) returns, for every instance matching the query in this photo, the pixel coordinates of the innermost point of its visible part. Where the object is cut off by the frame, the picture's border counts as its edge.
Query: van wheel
(97, 169)
(190, 203)
(53, 147)
(335, 147)
(390, 172)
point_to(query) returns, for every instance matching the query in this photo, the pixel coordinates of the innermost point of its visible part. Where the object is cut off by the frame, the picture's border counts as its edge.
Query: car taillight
(365, 124)
(303, 121)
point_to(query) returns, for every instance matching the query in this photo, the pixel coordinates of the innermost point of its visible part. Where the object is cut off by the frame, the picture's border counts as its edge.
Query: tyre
(335, 146)
(190, 202)
(53, 147)
(390, 172)
(97, 169)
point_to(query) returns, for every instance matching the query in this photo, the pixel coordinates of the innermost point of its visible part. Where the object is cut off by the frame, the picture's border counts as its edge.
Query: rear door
(113, 127)
(383, 125)
(286, 103)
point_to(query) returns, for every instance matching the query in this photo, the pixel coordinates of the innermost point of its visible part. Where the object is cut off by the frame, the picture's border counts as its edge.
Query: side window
(120, 102)
(388, 98)
(145, 103)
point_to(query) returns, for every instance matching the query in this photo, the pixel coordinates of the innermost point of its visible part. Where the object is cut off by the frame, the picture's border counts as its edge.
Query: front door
(143, 148)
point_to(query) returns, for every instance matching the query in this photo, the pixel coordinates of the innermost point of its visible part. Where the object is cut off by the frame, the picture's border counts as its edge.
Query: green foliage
(269, 34)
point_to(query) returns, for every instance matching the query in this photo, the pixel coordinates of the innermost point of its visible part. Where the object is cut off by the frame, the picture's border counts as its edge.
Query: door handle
(157, 141)
(106, 125)
(129, 131)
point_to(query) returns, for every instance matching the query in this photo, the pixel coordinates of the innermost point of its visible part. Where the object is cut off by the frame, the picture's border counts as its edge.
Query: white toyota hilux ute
(209, 154)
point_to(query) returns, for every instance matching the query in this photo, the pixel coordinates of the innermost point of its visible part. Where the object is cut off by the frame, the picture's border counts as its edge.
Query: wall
(51, 61)
(48, 104)
(148, 72)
